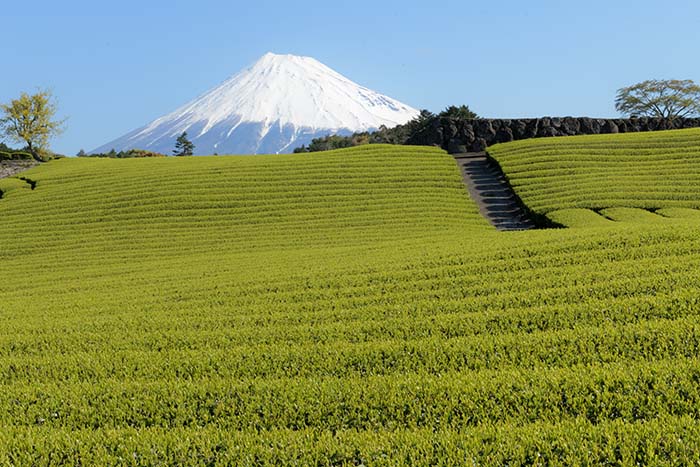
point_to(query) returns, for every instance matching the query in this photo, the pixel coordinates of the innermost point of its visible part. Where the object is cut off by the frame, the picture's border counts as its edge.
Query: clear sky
(115, 66)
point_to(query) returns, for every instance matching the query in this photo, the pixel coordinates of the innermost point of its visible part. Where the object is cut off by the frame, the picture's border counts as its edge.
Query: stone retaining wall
(10, 168)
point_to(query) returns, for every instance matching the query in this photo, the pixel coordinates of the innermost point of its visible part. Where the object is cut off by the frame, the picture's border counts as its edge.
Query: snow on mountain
(279, 103)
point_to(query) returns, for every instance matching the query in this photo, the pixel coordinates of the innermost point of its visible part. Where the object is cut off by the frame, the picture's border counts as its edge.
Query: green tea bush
(633, 170)
(341, 308)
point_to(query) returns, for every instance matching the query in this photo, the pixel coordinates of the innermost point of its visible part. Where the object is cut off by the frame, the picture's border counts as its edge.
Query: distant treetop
(461, 112)
(668, 99)
(127, 154)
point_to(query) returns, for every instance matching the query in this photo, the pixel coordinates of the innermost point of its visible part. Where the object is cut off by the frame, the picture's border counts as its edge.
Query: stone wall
(475, 135)
(10, 168)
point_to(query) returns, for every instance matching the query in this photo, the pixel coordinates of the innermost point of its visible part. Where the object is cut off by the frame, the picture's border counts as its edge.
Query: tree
(30, 120)
(418, 123)
(463, 112)
(183, 146)
(423, 117)
(328, 143)
(668, 99)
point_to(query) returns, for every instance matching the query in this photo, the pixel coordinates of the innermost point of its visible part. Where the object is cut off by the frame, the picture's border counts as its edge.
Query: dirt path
(492, 193)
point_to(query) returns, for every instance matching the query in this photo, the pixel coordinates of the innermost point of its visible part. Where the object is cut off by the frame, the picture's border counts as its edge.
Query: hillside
(648, 171)
(342, 308)
(371, 194)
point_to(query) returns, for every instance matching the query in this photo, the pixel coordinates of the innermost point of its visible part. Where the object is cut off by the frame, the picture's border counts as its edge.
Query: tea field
(644, 171)
(352, 308)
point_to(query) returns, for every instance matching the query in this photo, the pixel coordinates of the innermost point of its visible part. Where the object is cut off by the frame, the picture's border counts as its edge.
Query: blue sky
(116, 66)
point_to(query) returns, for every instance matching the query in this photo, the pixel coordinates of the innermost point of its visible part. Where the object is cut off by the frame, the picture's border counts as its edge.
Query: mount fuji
(277, 104)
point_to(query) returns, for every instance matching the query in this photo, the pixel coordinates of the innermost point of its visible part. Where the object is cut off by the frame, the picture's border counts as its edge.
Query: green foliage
(9, 154)
(326, 143)
(462, 113)
(672, 441)
(669, 99)
(30, 120)
(633, 170)
(344, 308)
(127, 154)
(183, 146)
(424, 118)
(332, 142)
(400, 134)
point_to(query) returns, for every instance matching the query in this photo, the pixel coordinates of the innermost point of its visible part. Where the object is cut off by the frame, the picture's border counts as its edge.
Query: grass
(339, 308)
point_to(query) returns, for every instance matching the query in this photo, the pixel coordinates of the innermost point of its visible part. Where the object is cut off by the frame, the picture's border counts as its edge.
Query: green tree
(463, 112)
(423, 117)
(329, 142)
(30, 120)
(668, 99)
(419, 122)
(183, 146)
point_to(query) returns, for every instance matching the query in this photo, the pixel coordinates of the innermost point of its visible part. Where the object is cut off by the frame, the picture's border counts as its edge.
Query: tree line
(126, 154)
(396, 135)
(183, 147)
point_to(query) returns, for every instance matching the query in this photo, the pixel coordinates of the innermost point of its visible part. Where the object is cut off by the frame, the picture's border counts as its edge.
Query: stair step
(483, 174)
(481, 170)
(501, 203)
(510, 219)
(496, 194)
(493, 194)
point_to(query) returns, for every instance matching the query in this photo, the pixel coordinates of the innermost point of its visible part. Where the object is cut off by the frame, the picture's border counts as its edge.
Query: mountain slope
(281, 102)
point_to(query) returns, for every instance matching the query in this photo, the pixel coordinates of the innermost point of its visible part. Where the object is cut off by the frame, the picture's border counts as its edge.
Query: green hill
(342, 308)
(650, 171)
(240, 203)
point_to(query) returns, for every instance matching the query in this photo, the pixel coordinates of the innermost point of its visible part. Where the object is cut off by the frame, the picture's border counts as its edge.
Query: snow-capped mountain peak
(280, 102)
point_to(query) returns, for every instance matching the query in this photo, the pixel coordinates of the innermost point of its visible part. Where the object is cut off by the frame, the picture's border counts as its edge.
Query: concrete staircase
(491, 191)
